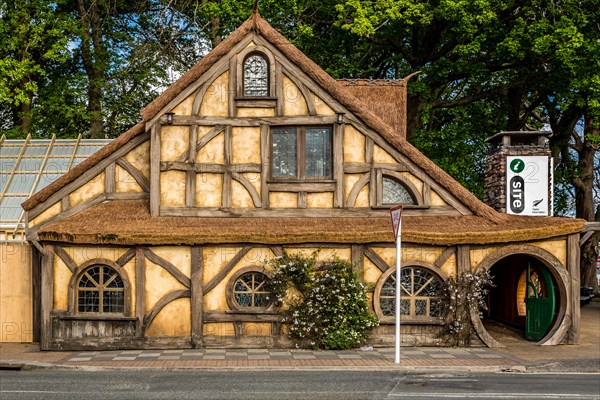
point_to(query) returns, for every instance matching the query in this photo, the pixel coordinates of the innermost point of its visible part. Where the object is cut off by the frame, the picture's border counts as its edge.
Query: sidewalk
(518, 355)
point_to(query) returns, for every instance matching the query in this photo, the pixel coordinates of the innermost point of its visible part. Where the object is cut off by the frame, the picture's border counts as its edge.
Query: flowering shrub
(326, 305)
(465, 293)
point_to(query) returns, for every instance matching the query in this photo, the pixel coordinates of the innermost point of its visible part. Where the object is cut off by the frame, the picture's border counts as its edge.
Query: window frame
(416, 195)
(230, 292)
(74, 290)
(269, 77)
(301, 155)
(385, 319)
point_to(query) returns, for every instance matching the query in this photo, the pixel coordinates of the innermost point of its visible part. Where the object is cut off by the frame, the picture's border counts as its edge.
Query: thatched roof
(130, 223)
(384, 97)
(257, 24)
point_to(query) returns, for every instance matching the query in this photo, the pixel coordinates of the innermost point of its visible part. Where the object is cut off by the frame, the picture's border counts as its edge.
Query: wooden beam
(140, 291)
(160, 304)
(226, 189)
(109, 179)
(338, 165)
(135, 173)
(186, 120)
(226, 270)
(310, 103)
(232, 83)
(197, 296)
(190, 176)
(296, 187)
(426, 195)
(249, 187)
(446, 254)
(265, 155)
(463, 259)
(353, 195)
(573, 259)
(376, 259)
(173, 270)
(301, 200)
(358, 260)
(47, 296)
(125, 258)
(279, 89)
(66, 258)
(207, 137)
(155, 171)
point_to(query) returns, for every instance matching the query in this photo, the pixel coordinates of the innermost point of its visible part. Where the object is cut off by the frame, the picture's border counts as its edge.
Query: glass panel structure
(27, 166)
(420, 294)
(318, 152)
(249, 291)
(283, 161)
(101, 290)
(256, 76)
(395, 193)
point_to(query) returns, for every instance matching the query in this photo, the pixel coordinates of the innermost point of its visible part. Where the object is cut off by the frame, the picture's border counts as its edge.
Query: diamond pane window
(420, 294)
(249, 290)
(101, 290)
(256, 76)
(395, 193)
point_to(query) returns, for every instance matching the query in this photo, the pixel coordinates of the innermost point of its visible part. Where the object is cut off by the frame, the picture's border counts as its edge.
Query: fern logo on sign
(527, 183)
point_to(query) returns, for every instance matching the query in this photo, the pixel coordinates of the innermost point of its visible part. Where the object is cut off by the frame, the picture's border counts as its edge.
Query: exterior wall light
(170, 117)
(340, 117)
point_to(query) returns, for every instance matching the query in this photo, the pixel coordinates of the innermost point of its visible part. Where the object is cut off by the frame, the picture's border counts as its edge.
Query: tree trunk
(92, 54)
(585, 207)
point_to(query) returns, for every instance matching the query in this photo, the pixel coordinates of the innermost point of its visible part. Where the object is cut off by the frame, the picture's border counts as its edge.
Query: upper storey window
(395, 192)
(301, 153)
(256, 76)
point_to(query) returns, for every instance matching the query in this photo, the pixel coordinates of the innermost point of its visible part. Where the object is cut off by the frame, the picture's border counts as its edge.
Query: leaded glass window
(395, 193)
(256, 76)
(100, 290)
(249, 290)
(420, 294)
(284, 152)
(318, 152)
(301, 153)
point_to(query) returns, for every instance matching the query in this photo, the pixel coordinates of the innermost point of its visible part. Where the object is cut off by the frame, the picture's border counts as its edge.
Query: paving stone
(172, 351)
(214, 357)
(258, 357)
(149, 355)
(123, 358)
(172, 357)
(81, 359)
(442, 355)
(304, 357)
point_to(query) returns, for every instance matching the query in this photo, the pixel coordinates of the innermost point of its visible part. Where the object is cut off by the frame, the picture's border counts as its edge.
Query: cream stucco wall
(172, 188)
(354, 145)
(294, 102)
(245, 145)
(16, 304)
(50, 212)
(125, 183)
(215, 102)
(90, 190)
(140, 158)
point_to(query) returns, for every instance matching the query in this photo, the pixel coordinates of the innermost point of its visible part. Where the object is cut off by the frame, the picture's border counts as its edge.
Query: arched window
(420, 294)
(394, 192)
(256, 76)
(248, 291)
(100, 290)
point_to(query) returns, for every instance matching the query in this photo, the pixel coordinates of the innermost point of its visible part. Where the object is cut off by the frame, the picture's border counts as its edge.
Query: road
(292, 385)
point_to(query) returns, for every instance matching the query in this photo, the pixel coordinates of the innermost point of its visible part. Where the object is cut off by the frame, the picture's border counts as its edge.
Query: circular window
(420, 294)
(100, 290)
(249, 291)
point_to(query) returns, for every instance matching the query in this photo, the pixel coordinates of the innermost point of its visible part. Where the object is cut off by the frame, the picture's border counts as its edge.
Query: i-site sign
(527, 183)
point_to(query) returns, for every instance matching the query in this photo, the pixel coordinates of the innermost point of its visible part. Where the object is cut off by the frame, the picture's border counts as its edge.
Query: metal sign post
(396, 214)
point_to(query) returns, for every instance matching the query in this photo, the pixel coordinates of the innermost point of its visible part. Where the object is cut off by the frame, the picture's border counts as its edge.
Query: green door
(540, 302)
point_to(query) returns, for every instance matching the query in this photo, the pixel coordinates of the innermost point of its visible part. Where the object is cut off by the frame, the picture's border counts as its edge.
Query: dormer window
(256, 76)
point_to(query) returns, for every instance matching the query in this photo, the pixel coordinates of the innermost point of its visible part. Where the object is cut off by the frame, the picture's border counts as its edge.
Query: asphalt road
(292, 385)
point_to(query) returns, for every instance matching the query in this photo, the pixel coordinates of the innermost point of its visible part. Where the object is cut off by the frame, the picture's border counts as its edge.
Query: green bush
(326, 304)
